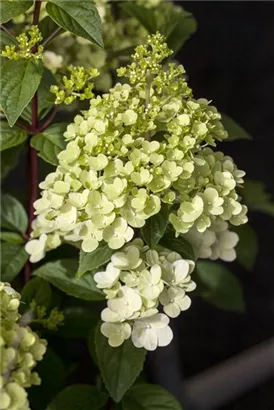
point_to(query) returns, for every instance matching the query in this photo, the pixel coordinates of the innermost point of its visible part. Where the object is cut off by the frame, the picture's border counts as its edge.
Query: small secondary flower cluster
(21, 348)
(26, 42)
(138, 146)
(136, 282)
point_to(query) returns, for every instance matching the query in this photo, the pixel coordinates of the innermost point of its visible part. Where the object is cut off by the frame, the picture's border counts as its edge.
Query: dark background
(230, 60)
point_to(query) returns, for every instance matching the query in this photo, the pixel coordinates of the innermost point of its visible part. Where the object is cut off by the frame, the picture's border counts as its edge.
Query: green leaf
(221, 287)
(61, 273)
(50, 142)
(145, 16)
(180, 29)
(94, 260)
(53, 374)
(155, 227)
(80, 18)
(9, 160)
(10, 9)
(179, 245)
(13, 259)
(150, 397)
(247, 247)
(10, 137)
(79, 396)
(11, 237)
(45, 97)
(47, 26)
(19, 82)
(36, 289)
(91, 344)
(6, 40)
(13, 214)
(78, 321)
(257, 198)
(235, 130)
(119, 366)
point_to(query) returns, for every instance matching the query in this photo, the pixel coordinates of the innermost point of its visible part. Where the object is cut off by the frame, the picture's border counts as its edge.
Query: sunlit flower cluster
(137, 281)
(140, 145)
(21, 348)
(26, 42)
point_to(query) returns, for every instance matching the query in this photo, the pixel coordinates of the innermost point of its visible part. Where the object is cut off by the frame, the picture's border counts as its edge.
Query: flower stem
(7, 31)
(32, 163)
(51, 36)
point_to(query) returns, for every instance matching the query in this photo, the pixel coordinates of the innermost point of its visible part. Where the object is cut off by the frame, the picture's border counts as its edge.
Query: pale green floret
(21, 348)
(26, 42)
(136, 282)
(139, 145)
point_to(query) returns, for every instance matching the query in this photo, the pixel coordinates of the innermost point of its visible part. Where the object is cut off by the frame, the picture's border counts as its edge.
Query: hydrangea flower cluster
(21, 348)
(136, 282)
(142, 144)
(26, 42)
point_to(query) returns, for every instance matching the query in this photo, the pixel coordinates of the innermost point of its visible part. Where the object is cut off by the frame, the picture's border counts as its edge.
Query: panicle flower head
(142, 144)
(21, 348)
(26, 42)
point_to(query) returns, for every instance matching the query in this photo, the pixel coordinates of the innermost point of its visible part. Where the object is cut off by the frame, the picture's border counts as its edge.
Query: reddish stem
(32, 164)
(48, 121)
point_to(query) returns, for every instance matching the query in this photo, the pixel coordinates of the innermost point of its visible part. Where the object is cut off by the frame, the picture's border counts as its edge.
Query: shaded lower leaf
(247, 247)
(78, 321)
(36, 289)
(119, 366)
(11, 136)
(150, 397)
(155, 227)
(11, 237)
(94, 260)
(80, 397)
(9, 160)
(220, 287)
(235, 130)
(61, 273)
(13, 214)
(256, 197)
(50, 142)
(179, 245)
(13, 259)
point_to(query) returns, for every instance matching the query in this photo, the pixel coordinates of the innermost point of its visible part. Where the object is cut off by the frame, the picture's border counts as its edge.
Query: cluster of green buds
(41, 317)
(21, 348)
(77, 85)
(142, 144)
(137, 282)
(26, 43)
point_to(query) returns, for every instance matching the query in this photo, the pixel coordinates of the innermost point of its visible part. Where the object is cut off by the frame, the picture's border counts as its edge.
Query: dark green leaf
(36, 289)
(19, 82)
(91, 344)
(179, 245)
(155, 226)
(6, 40)
(235, 130)
(45, 97)
(61, 274)
(53, 374)
(13, 259)
(222, 288)
(80, 397)
(144, 15)
(80, 18)
(13, 214)
(257, 198)
(50, 142)
(150, 397)
(179, 30)
(78, 321)
(11, 237)
(10, 137)
(47, 26)
(247, 247)
(9, 160)
(94, 260)
(10, 9)
(119, 366)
